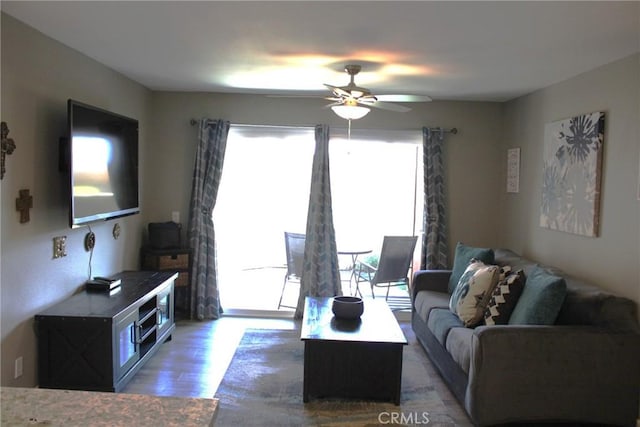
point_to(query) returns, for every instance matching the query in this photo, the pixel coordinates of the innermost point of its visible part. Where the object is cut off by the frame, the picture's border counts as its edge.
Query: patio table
(354, 253)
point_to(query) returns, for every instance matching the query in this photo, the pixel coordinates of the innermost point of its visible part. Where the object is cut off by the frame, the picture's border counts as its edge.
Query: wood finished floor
(194, 362)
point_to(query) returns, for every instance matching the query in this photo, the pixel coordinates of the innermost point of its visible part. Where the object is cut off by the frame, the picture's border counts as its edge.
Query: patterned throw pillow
(471, 296)
(463, 256)
(504, 299)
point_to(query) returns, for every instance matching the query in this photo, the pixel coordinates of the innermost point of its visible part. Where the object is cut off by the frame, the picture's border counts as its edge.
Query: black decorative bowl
(347, 307)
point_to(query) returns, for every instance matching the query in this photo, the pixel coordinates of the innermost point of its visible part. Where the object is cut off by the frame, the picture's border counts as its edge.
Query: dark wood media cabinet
(96, 340)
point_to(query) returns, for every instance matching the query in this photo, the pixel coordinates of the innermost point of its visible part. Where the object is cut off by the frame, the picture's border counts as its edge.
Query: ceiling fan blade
(333, 104)
(389, 106)
(367, 99)
(404, 98)
(338, 91)
(291, 96)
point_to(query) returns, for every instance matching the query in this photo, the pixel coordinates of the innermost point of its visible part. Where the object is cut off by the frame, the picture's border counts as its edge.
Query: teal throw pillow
(541, 299)
(463, 256)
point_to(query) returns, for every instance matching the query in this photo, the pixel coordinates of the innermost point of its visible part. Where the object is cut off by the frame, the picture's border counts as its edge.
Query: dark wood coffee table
(352, 359)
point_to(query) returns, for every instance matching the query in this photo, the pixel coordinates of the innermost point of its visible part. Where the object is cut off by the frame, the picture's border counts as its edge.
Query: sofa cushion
(440, 322)
(541, 299)
(471, 296)
(459, 346)
(426, 300)
(515, 261)
(585, 303)
(463, 256)
(504, 299)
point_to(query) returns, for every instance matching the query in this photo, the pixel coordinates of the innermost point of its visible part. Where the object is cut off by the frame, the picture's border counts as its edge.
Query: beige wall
(38, 76)
(611, 260)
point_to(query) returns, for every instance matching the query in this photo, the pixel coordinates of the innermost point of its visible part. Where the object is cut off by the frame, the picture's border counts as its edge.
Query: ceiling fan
(352, 102)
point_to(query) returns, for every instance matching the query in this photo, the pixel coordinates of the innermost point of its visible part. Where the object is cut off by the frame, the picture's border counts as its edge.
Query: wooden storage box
(175, 259)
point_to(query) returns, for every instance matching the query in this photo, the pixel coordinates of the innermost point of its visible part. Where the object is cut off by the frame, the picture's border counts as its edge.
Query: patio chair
(393, 266)
(294, 246)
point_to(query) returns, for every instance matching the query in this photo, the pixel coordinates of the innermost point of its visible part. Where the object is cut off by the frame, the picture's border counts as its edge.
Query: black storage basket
(164, 235)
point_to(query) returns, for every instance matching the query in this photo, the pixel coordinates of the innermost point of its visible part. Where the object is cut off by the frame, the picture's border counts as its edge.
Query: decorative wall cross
(7, 145)
(23, 204)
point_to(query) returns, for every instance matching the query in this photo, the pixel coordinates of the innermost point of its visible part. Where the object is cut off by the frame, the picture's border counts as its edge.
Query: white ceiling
(476, 50)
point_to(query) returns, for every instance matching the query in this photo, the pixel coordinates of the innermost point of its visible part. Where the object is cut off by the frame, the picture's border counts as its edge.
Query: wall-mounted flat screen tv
(103, 164)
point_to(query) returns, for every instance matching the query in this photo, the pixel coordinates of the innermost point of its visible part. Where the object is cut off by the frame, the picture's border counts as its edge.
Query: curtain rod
(194, 122)
(452, 130)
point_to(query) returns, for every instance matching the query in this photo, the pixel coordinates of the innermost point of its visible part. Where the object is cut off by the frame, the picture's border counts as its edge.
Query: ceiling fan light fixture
(350, 112)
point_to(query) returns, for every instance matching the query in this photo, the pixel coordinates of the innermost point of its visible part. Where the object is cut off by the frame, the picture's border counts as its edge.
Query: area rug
(263, 386)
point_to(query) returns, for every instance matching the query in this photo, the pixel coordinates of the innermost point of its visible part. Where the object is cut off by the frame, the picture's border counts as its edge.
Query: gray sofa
(585, 368)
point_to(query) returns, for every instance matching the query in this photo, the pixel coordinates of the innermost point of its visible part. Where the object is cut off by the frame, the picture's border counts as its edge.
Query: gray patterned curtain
(320, 274)
(212, 142)
(434, 240)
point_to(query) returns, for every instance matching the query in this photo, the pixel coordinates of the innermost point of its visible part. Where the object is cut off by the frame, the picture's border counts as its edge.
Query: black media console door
(97, 341)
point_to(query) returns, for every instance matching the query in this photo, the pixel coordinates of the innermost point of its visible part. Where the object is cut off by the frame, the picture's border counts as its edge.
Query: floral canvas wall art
(572, 174)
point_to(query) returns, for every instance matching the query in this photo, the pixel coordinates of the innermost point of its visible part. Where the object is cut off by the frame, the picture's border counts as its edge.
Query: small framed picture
(513, 170)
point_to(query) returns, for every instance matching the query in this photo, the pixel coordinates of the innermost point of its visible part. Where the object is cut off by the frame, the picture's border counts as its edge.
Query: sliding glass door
(265, 191)
(374, 175)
